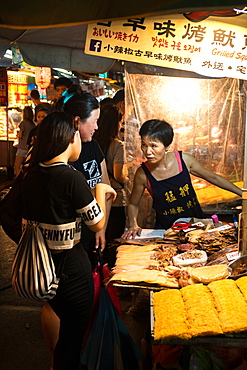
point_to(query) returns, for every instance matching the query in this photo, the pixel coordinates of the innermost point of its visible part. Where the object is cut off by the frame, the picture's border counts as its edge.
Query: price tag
(232, 256)
(220, 228)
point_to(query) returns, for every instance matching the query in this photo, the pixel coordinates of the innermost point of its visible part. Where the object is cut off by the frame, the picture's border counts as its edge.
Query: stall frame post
(243, 219)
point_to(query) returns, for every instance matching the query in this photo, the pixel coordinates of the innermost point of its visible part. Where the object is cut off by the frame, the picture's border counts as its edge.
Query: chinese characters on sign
(17, 88)
(210, 48)
(3, 87)
(43, 77)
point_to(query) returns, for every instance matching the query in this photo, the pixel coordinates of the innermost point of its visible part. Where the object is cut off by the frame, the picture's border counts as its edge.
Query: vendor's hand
(132, 232)
(100, 240)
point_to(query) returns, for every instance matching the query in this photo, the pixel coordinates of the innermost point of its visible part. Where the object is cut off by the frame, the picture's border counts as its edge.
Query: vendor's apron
(174, 197)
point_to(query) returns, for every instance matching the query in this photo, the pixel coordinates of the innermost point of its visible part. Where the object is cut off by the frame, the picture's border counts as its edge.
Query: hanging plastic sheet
(208, 116)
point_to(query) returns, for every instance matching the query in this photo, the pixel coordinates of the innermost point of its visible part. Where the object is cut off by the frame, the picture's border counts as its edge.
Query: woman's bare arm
(196, 169)
(139, 186)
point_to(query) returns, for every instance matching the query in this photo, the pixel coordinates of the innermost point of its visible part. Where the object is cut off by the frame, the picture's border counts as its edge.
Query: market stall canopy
(54, 36)
(26, 15)
(60, 47)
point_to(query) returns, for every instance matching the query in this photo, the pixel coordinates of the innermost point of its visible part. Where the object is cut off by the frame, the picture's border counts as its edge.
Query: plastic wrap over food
(206, 274)
(190, 258)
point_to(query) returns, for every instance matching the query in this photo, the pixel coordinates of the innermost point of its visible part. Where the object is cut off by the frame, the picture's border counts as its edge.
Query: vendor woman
(166, 175)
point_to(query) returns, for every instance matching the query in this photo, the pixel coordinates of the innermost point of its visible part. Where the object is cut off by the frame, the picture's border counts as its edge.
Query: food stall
(14, 95)
(194, 278)
(208, 117)
(204, 99)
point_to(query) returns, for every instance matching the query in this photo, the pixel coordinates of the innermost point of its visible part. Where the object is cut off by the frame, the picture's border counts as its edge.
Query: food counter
(152, 262)
(187, 308)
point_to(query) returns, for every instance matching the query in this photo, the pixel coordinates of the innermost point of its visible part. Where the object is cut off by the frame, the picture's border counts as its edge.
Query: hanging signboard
(17, 88)
(96, 88)
(43, 77)
(210, 48)
(3, 87)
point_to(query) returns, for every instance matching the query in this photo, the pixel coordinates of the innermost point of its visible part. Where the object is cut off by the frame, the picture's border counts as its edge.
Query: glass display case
(10, 119)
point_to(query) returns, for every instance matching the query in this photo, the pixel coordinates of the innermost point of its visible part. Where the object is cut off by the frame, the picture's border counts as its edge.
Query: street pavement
(22, 346)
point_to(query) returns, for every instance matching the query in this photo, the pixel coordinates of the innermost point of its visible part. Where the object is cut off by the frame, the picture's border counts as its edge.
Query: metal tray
(235, 264)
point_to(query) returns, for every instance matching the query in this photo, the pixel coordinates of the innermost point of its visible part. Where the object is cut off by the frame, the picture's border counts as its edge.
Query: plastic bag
(206, 274)
(190, 258)
(203, 359)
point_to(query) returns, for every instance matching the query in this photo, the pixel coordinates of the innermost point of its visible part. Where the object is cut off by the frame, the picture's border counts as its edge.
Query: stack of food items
(168, 263)
(148, 264)
(207, 238)
(200, 310)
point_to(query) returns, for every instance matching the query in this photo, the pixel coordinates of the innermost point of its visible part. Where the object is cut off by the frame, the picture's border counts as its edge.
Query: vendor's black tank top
(174, 197)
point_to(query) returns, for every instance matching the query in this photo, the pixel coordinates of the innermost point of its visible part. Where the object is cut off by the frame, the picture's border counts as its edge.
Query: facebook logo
(95, 45)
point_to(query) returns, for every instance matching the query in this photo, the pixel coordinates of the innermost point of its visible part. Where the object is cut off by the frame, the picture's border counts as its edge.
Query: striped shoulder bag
(33, 270)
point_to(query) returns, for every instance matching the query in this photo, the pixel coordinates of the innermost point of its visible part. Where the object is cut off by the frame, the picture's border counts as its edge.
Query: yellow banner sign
(210, 48)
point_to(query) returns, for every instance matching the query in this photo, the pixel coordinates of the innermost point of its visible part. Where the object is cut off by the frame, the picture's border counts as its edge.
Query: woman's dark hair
(80, 104)
(156, 129)
(118, 97)
(28, 114)
(108, 126)
(105, 102)
(35, 94)
(63, 81)
(53, 137)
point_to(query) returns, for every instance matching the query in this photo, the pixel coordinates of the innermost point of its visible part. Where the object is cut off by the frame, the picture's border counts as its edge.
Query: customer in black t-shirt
(85, 109)
(60, 209)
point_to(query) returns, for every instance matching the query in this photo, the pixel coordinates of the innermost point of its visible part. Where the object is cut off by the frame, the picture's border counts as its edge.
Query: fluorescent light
(63, 71)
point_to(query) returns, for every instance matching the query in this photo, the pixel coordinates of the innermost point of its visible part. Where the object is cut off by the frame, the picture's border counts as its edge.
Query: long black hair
(156, 129)
(54, 134)
(80, 103)
(108, 124)
(27, 114)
